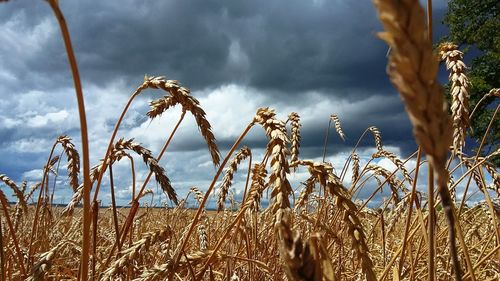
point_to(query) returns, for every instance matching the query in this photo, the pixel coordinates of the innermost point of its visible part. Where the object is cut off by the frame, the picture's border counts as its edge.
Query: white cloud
(16, 36)
(43, 120)
(33, 175)
(31, 145)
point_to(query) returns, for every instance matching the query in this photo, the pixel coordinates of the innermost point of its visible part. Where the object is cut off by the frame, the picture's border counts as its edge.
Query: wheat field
(315, 231)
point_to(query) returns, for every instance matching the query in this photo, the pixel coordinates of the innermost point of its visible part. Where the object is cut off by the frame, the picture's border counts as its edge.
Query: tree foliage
(475, 25)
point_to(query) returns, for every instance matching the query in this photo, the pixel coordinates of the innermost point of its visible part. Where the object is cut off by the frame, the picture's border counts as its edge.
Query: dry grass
(325, 234)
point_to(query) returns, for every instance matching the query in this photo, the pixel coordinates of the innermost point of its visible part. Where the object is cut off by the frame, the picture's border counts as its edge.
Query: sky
(315, 58)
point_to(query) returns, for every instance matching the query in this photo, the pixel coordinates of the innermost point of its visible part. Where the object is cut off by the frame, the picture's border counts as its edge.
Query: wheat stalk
(393, 182)
(19, 194)
(377, 137)
(257, 186)
(153, 165)
(73, 160)
(495, 92)
(181, 95)
(413, 70)
(294, 119)
(398, 162)
(277, 147)
(227, 179)
(355, 168)
(338, 128)
(459, 91)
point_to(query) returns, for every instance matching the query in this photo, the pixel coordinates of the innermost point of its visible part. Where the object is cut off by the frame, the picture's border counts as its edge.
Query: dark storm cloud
(281, 45)
(280, 53)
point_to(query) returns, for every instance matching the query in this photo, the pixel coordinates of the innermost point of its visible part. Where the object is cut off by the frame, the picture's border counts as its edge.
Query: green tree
(475, 25)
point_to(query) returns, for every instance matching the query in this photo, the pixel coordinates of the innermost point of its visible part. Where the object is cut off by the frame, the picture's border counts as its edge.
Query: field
(324, 233)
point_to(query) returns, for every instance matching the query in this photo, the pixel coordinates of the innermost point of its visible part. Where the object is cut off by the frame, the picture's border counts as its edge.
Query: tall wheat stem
(2, 254)
(39, 202)
(431, 223)
(85, 143)
(410, 210)
(113, 202)
(326, 138)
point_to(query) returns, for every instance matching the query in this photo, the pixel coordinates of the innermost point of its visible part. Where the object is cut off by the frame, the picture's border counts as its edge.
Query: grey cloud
(279, 49)
(287, 46)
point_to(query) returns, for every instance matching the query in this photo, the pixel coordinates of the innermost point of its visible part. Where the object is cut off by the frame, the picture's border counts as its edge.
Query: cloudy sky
(313, 57)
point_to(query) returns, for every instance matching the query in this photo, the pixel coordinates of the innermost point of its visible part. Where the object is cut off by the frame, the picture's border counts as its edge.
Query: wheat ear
(44, 263)
(153, 165)
(355, 168)
(132, 253)
(73, 160)
(306, 192)
(19, 194)
(398, 162)
(338, 128)
(277, 147)
(376, 136)
(294, 119)
(257, 186)
(227, 180)
(181, 95)
(459, 91)
(73, 202)
(393, 182)
(413, 70)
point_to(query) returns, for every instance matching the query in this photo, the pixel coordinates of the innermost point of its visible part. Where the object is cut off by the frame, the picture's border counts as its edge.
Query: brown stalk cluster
(324, 175)
(304, 261)
(327, 237)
